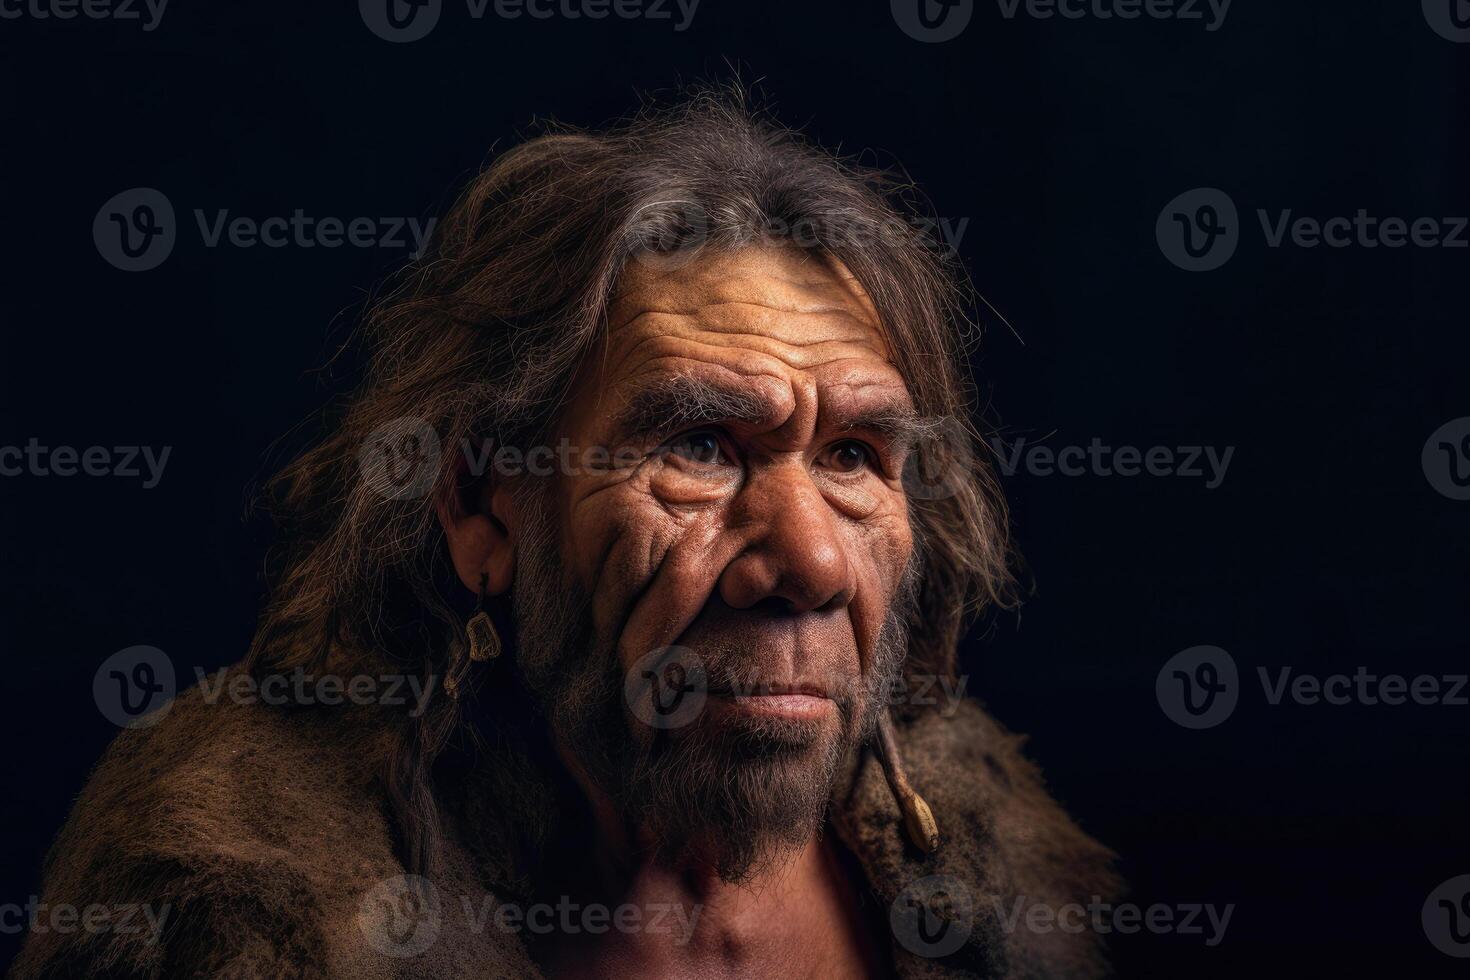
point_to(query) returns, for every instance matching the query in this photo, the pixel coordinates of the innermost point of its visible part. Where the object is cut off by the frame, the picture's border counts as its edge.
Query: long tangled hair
(480, 336)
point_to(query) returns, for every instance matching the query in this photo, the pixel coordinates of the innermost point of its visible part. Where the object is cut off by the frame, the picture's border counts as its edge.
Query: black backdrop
(1058, 142)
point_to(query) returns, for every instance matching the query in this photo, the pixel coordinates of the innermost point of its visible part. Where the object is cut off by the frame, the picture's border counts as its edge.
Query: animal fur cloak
(261, 840)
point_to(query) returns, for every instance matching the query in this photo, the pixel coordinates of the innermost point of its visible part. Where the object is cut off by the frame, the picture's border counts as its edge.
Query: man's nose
(799, 555)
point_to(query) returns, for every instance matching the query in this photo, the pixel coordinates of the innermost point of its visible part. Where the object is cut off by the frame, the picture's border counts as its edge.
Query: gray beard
(739, 803)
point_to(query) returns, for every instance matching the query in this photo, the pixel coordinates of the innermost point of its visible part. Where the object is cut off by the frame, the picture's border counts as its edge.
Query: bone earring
(918, 819)
(484, 644)
(484, 641)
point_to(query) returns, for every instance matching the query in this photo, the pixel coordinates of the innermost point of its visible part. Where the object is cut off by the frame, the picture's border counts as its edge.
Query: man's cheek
(881, 552)
(887, 541)
(642, 551)
(685, 571)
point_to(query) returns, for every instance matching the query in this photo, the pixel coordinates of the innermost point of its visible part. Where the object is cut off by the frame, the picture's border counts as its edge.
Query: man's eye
(698, 447)
(849, 456)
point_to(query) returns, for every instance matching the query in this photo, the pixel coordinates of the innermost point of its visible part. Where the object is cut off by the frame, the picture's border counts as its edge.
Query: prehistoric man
(661, 492)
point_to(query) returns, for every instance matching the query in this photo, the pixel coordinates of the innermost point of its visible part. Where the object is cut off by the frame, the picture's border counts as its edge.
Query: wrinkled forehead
(797, 305)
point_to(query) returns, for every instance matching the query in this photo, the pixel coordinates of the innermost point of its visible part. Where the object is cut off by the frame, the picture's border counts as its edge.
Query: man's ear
(479, 524)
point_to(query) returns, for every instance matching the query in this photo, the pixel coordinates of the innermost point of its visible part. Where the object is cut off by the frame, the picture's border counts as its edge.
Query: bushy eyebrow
(682, 400)
(898, 425)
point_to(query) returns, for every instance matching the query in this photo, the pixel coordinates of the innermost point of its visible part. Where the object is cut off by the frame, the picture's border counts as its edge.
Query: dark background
(1326, 547)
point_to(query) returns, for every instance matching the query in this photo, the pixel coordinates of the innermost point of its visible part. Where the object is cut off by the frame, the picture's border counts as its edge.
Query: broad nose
(799, 556)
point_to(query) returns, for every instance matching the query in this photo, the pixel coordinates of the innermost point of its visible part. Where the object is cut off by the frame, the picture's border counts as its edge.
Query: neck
(674, 916)
(683, 920)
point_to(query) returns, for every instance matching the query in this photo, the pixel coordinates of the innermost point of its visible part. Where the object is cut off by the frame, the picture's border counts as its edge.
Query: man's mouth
(796, 701)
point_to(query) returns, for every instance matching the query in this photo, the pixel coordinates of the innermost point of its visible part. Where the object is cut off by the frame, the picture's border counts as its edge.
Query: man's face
(754, 518)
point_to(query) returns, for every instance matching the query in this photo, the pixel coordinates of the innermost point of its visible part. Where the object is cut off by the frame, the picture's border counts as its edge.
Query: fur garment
(262, 843)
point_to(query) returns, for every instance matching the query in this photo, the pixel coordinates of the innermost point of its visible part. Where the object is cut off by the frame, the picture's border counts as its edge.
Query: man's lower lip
(785, 705)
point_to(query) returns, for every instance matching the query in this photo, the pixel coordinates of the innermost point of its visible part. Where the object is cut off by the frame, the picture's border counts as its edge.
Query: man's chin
(752, 783)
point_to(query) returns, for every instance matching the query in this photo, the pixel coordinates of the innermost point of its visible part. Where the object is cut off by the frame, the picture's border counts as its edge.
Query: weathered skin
(770, 522)
(777, 526)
